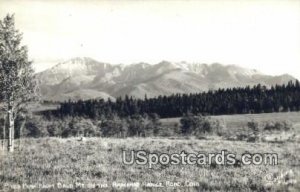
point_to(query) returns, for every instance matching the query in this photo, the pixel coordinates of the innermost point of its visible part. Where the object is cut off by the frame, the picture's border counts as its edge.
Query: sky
(258, 34)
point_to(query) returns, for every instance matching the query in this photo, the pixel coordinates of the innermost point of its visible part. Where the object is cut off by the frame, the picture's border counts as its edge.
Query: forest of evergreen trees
(256, 99)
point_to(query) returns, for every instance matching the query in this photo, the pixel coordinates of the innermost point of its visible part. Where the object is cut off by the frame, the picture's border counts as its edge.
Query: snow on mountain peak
(72, 77)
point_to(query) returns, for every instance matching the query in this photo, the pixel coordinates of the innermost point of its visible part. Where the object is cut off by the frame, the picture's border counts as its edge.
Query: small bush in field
(254, 134)
(198, 125)
(253, 126)
(242, 137)
(278, 126)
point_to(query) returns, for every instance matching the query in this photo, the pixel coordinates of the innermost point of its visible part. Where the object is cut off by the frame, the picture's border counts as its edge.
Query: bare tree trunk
(11, 134)
(4, 133)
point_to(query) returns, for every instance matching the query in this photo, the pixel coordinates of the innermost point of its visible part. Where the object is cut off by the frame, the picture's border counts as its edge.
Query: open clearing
(236, 122)
(54, 164)
(53, 161)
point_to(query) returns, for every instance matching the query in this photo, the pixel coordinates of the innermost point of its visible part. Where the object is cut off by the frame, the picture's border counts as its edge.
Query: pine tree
(17, 85)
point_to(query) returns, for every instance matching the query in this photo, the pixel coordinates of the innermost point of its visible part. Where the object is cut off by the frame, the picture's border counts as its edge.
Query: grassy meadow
(95, 164)
(239, 122)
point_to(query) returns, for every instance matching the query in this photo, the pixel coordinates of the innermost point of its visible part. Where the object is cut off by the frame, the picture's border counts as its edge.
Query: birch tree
(17, 83)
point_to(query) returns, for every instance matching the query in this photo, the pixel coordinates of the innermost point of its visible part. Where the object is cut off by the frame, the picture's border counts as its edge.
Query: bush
(134, 126)
(168, 130)
(198, 125)
(35, 127)
(55, 128)
(278, 126)
(154, 127)
(114, 127)
(254, 134)
(138, 125)
(79, 127)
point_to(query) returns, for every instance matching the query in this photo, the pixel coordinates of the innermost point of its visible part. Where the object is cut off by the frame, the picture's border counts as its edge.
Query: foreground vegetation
(152, 126)
(50, 163)
(53, 162)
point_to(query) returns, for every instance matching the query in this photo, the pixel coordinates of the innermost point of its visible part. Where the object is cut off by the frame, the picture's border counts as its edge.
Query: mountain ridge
(85, 78)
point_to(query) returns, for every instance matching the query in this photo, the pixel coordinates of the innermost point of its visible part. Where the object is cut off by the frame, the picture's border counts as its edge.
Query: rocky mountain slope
(85, 78)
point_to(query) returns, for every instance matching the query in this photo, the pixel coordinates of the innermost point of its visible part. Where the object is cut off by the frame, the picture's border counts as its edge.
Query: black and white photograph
(150, 95)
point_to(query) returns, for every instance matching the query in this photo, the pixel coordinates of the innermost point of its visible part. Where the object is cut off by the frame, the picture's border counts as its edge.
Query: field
(54, 164)
(237, 122)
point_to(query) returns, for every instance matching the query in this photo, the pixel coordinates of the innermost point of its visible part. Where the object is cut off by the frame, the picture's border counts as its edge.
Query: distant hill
(85, 78)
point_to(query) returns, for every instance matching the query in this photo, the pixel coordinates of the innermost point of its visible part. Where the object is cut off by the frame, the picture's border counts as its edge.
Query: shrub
(198, 125)
(168, 130)
(35, 127)
(189, 123)
(71, 127)
(254, 134)
(55, 129)
(278, 126)
(253, 126)
(84, 127)
(114, 127)
(154, 127)
(144, 125)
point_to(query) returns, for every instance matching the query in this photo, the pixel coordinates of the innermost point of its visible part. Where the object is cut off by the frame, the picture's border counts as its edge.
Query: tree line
(242, 100)
(113, 126)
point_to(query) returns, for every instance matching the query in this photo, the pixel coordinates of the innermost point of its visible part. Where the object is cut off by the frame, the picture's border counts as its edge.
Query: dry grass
(50, 161)
(239, 122)
(98, 160)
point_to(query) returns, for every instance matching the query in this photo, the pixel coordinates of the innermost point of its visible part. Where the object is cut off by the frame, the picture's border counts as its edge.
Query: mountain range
(85, 78)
